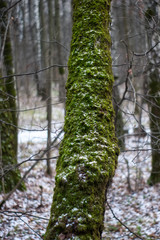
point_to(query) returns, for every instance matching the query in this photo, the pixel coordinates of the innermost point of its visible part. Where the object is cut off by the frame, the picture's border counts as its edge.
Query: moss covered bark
(88, 153)
(155, 126)
(8, 117)
(152, 15)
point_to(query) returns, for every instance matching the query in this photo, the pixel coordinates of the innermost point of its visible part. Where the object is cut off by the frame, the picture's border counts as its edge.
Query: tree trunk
(155, 126)
(88, 153)
(33, 36)
(59, 49)
(8, 117)
(152, 15)
(43, 49)
(49, 85)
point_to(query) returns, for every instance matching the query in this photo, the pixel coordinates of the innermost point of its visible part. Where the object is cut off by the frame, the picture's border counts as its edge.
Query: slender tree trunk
(49, 79)
(43, 49)
(33, 35)
(88, 153)
(1, 167)
(153, 16)
(59, 50)
(155, 126)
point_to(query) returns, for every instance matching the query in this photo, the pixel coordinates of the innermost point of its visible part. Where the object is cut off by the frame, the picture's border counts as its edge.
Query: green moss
(8, 143)
(88, 153)
(154, 88)
(8, 122)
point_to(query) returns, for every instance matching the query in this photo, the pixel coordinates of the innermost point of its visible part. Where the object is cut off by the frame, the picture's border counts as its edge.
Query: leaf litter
(130, 201)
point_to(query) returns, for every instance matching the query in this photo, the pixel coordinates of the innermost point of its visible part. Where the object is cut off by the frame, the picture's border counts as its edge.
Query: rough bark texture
(8, 119)
(88, 153)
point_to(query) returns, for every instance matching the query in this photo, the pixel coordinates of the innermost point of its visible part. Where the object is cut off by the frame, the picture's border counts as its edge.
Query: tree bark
(43, 49)
(152, 15)
(155, 126)
(49, 79)
(8, 117)
(88, 153)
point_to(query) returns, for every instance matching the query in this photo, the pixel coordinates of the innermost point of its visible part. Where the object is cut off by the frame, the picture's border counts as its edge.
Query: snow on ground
(25, 215)
(139, 208)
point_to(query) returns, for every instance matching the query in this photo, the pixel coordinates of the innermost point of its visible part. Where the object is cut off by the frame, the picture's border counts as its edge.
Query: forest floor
(132, 207)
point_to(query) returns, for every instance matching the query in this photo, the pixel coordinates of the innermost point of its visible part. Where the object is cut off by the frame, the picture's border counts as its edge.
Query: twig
(11, 7)
(30, 227)
(17, 185)
(144, 54)
(29, 109)
(19, 164)
(124, 225)
(26, 173)
(25, 129)
(32, 73)
(128, 73)
(13, 213)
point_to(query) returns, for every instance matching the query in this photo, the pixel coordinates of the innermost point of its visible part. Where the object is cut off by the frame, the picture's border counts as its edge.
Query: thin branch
(128, 73)
(141, 150)
(32, 73)
(25, 174)
(144, 54)
(17, 185)
(30, 109)
(25, 129)
(13, 5)
(124, 225)
(12, 213)
(35, 159)
(29, 227)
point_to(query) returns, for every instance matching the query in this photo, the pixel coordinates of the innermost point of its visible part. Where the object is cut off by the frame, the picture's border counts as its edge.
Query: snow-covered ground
(25, 215)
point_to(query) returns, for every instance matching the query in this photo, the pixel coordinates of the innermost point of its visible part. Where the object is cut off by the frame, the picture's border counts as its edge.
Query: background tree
(152, 19)
(8, 115)
(88, 154)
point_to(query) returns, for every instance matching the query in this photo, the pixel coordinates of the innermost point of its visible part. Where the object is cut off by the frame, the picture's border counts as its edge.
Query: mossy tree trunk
(88, 153)
(153, 15)
(8, 117)
(155, 126)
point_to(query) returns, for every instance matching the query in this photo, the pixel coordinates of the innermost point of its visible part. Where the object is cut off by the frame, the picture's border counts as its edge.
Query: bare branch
(13, 5)
(144, 54)
(32, 73)
(124, 225)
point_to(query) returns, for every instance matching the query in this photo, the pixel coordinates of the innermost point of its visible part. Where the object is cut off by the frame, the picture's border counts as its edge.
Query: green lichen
(88, 153)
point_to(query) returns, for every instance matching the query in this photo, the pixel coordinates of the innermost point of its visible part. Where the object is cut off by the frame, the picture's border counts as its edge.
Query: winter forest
(79, 119)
